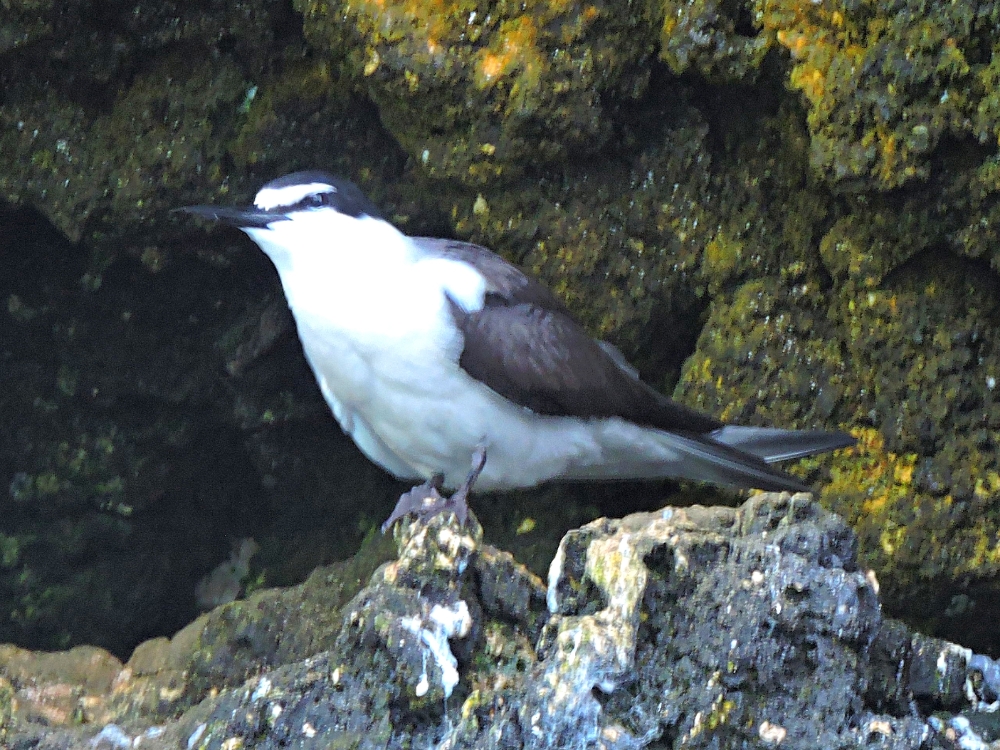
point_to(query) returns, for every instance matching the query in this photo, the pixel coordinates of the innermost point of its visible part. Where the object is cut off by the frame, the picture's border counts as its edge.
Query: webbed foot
(425, 500)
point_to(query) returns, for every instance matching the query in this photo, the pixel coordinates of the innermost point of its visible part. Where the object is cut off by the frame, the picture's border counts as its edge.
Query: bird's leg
(458, 502)
(425, 500)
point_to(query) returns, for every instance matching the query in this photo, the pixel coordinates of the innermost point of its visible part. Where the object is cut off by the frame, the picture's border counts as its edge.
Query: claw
(426, 500)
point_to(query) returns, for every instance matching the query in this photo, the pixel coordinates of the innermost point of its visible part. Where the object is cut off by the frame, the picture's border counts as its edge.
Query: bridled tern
(434, 354)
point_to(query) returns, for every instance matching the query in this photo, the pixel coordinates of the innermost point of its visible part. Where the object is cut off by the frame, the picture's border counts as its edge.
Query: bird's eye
(314, 201)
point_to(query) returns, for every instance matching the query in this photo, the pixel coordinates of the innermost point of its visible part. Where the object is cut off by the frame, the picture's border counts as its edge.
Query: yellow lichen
(722, 255)
(515, 46)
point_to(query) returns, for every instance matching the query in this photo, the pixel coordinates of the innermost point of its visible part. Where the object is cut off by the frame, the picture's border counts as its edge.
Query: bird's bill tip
(243, 218)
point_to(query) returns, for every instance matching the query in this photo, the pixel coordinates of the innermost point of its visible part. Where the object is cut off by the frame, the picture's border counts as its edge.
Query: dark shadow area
(131, 462)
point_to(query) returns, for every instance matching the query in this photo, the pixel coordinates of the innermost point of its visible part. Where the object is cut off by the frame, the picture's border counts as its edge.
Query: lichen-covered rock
(770, 354)
(912, 364)
(636, 245)
(109, 118)
(270, 628)
(447, 621)
(104, 111)
(87, 686)
(715, 38)
(621, 241)
(886, 82)
(75, 160)
(25, 22)
(480, 91)
(697, 628)
(100, 44)
(723, 648)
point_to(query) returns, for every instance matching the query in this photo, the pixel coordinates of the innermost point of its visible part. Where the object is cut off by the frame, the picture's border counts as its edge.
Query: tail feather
(734, 456)
(771, 444)
(706, 459)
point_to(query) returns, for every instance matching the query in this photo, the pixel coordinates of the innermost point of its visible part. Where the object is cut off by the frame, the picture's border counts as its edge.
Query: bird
(446, 363)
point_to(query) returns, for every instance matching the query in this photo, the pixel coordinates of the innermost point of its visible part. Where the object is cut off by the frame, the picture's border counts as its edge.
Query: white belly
(412, 409)
(416, 413)
(386, 359)
(382, 343)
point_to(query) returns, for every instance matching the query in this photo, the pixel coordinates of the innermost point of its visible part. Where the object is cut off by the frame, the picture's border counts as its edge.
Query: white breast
(378, 332)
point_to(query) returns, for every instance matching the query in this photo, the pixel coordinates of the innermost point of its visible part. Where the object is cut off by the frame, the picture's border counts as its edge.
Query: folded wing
(526, 346)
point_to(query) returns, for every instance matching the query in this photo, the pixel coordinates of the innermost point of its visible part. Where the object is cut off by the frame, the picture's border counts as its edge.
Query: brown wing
(545, 361)
(526, 346)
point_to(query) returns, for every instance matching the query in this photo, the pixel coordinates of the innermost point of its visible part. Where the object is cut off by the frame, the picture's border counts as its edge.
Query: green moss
(974, 208)
(703, 35)
(302, 88)
(885, 82)
(615, 254)
(76, 473)
(909, 361)
(66, 381)
(10, 550)
(84, 161)
(928, 512)
(8, 704)
(637, 245)
(25, 22)
(769, 355)
(477, 96)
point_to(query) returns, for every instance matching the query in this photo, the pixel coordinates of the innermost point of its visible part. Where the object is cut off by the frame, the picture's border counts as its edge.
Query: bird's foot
(426, 500)
(423, 499)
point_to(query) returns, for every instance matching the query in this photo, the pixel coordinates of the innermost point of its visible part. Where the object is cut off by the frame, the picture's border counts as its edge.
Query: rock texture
(789, 210)
(686, 628)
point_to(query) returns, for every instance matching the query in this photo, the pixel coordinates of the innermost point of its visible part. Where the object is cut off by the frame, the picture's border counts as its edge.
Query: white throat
(325, 246)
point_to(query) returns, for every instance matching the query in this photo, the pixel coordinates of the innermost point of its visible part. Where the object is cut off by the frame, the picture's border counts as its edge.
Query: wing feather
(524, 344)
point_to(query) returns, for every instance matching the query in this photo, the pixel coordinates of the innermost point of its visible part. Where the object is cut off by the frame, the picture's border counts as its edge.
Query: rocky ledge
(689, 627)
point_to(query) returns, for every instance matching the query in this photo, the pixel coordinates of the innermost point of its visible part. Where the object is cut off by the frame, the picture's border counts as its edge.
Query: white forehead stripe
(271, 198)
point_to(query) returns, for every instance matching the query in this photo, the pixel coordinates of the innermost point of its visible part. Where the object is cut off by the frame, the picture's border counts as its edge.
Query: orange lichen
(887, 141)
(868, 68)
(491, 66)
(435, 19)
(903, 473)
(515, 46)
(793, 41)
(810, 82)
(887, 475)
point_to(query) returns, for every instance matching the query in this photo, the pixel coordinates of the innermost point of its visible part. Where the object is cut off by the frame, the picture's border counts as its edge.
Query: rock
(479, 94)
(719, 628)
(688, 627)
(811, 196)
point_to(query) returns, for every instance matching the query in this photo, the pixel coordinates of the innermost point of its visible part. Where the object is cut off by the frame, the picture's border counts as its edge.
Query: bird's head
(306, 214)
(301, 196)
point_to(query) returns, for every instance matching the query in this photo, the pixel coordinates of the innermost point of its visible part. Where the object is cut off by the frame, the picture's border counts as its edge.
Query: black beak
(243, 218)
